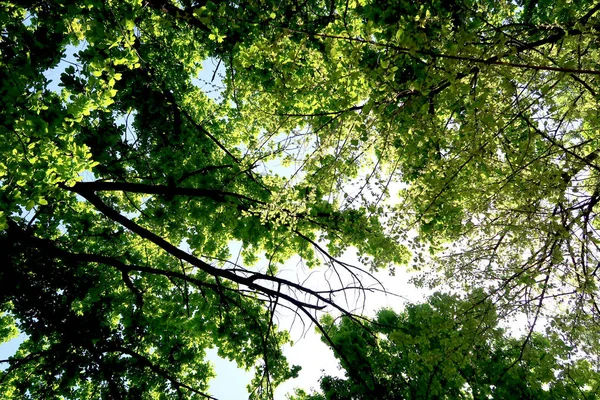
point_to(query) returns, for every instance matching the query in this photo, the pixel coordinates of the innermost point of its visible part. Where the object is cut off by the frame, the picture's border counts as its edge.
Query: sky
(308, 351)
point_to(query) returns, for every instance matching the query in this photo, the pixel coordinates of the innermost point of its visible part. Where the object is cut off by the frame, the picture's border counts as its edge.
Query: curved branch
(214, 194)
(209, 269)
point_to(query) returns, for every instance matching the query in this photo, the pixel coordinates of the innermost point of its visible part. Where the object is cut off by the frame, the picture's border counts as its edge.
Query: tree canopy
(452, 348)
(458, 138)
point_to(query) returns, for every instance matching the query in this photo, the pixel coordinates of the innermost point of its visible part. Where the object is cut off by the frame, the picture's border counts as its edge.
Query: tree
(486, 112)
(120, 194)
(452, 348)
(122, 190)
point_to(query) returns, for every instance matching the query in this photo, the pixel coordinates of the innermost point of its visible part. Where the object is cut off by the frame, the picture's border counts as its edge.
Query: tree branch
(214, 194)
(209, 269)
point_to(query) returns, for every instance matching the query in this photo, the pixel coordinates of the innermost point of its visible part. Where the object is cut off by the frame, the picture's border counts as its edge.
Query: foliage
(485, 114)
(451, 348)
(123, 190)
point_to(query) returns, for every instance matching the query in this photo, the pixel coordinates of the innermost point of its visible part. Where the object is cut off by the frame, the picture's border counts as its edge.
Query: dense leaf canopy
(452, 348)
(459, 137)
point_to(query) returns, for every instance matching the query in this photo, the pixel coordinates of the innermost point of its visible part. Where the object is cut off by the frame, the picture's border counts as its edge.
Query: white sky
(308, 351)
